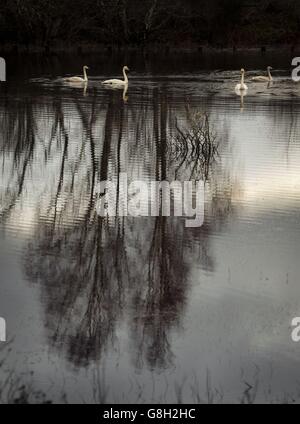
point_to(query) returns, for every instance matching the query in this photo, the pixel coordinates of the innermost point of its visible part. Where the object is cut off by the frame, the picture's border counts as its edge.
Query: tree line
(48, 23)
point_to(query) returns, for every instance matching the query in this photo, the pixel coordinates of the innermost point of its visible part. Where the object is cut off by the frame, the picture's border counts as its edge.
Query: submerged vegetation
(20, 389)
(116, 23)
(16, 388)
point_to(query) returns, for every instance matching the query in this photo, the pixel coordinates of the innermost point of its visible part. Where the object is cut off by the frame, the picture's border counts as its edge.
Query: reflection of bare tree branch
(23, 126)
(159, 304)
(195, 148)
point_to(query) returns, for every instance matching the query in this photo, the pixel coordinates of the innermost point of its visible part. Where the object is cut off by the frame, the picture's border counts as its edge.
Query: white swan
(269, 78)
(242, 86)
(79, 79)
(118, 82)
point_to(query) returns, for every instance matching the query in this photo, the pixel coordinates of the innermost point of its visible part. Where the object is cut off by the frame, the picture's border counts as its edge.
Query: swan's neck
(85, 75)
(243, 79)
(125, 76)
(270, 76)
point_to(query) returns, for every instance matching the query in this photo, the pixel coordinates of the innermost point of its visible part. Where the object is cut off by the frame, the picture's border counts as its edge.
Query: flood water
(144, 309)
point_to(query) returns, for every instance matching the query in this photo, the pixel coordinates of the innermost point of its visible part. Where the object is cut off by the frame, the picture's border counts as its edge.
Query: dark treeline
(178, 23)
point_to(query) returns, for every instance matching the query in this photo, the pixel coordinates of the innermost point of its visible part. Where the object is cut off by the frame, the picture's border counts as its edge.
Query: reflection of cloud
(268, 170)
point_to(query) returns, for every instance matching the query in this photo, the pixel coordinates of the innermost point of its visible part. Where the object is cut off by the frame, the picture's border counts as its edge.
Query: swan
(242, 86)
(79, 79)
(118, 82)
(269, 78)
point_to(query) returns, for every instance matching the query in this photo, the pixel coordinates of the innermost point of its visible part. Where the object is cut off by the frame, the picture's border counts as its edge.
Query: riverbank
(81, 48)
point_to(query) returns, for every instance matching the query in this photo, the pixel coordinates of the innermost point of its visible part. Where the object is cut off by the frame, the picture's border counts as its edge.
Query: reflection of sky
(263, 159)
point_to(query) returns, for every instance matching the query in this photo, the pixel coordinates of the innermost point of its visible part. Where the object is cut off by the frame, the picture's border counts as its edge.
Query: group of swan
(243, 87)
(116, 83)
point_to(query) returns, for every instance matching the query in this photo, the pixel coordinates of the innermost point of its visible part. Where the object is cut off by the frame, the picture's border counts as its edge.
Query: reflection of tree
(85, 300)
(83, 291)
(19, 138)
(158, 304)
(91, 269)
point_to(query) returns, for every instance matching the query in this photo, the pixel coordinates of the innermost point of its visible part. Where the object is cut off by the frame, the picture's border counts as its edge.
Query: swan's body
(118, 82)
(269, 78)
(242, 86)
(79, 80)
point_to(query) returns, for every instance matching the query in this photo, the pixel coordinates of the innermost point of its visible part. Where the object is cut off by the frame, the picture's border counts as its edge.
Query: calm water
(144, 309)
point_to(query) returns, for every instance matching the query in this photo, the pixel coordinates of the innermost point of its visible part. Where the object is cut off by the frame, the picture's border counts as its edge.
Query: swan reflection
(119, 88)
(241, 94)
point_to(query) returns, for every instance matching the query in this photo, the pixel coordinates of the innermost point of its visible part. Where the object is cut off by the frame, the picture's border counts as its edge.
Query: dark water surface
(144, 309)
